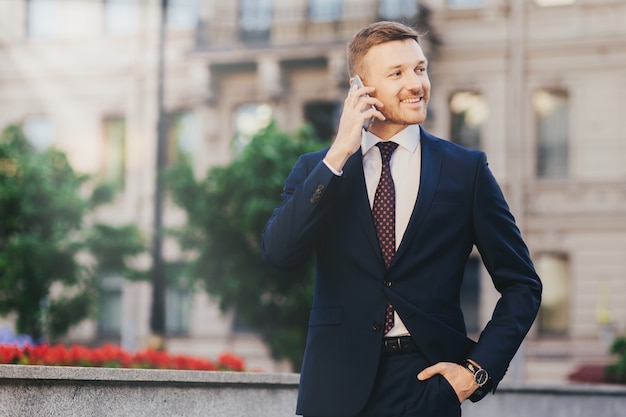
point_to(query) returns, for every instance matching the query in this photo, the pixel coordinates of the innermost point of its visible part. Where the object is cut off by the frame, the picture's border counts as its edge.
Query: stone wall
(39, 391)
(29, 391)
(551, 401)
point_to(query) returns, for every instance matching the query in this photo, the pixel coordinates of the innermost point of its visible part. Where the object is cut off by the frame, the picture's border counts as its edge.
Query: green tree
(226, 213)
(616, 372)
(42, 237)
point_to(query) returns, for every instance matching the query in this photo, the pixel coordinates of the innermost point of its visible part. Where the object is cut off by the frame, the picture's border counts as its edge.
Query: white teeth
(411, 100)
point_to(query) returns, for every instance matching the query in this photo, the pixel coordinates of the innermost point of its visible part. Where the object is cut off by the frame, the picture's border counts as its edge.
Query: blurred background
(204, 92)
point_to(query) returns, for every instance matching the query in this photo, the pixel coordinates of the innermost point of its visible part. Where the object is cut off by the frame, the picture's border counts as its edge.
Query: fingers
(461, 381)
(438, 368)
(358, 107)
(362, 96)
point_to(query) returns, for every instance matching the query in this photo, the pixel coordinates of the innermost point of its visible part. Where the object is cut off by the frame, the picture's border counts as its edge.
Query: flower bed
(112, 356)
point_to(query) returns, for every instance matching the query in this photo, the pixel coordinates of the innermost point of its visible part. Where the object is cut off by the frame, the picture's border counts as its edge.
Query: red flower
(9, 354)
(228, 361)
(79, 355)
(111, 356)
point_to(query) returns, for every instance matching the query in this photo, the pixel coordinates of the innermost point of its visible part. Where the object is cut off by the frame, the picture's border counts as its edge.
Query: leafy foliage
(112, 245)
(226, 214)
(616, 372)
(42, 235)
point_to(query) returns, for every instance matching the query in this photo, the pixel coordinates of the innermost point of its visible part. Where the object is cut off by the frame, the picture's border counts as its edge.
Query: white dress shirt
(405, 170)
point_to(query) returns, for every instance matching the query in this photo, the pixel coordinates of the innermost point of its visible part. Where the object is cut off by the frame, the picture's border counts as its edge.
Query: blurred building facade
(537, 84)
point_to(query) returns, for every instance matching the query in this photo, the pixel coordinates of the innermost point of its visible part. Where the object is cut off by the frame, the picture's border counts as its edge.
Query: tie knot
(387, 149)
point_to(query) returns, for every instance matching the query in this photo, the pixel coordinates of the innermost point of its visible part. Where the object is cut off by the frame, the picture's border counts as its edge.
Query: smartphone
(357, 81)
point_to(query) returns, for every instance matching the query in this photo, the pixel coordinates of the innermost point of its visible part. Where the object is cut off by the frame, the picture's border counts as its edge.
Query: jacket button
(317, 194)
(387, 283)
(376, 326)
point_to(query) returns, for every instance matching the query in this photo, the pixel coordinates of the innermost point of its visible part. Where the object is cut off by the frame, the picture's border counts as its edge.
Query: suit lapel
(356, 191)
(431, 161)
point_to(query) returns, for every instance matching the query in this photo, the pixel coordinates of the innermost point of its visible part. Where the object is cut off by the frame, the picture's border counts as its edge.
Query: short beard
(394, 118)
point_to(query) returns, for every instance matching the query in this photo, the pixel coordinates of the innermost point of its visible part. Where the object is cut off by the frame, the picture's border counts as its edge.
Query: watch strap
(481, 377)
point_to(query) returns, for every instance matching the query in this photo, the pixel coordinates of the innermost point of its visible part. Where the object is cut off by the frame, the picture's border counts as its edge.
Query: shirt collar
(408, 138)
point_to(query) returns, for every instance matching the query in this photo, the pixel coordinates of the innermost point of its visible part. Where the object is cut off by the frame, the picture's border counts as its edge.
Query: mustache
(416, 93)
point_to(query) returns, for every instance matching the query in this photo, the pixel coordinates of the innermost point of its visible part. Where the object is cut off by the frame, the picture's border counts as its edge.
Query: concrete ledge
(158, 376)
(41, 391)
(577, 400)
(28, 391)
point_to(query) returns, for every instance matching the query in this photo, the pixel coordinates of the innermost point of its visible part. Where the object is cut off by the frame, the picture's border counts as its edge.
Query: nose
(415, 82)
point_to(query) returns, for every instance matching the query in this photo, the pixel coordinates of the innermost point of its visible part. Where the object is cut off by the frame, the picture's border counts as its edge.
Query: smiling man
(392, 214)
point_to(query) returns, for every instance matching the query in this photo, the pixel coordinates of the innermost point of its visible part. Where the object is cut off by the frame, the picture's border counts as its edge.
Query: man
(392, 214)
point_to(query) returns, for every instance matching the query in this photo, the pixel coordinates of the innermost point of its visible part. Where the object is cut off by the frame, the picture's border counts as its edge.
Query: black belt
(398, 345)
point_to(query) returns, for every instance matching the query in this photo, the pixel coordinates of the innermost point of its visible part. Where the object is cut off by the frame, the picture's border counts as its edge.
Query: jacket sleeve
(508, 262)
(290, 233)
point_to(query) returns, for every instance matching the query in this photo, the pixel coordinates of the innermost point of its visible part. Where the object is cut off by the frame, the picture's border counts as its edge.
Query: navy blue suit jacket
(459, 205)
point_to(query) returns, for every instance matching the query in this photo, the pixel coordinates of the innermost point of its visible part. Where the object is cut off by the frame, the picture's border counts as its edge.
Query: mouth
(412, 100)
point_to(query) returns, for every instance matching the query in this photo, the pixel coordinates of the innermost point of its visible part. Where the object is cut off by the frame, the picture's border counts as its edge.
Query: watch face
(481, 377)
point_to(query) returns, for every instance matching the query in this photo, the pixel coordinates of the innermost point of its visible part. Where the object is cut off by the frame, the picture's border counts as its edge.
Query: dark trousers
(398, 393)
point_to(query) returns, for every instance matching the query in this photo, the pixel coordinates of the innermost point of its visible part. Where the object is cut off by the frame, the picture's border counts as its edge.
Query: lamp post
(157, 313)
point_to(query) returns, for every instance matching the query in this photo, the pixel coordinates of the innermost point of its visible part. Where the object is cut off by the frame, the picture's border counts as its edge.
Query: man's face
(397, 70)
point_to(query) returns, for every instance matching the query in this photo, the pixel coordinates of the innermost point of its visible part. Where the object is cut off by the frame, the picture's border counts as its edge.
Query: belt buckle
(394, 344)
(399, 341)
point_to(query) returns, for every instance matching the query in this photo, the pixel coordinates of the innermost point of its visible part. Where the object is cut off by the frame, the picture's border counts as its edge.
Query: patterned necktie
(384, 212)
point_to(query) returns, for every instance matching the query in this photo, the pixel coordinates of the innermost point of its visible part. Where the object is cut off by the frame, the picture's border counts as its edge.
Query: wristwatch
(481, 377)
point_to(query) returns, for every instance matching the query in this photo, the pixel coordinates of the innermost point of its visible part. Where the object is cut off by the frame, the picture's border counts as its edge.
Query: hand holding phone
(357, 81)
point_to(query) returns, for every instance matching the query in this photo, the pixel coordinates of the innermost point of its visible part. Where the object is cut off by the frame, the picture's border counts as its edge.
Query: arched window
(183, 135)
(552, 114)
(39, 131)
(248, 120)
(554, 312)
(468, 113)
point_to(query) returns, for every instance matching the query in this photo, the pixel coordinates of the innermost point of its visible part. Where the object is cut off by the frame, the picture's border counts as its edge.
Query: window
(178, 303)
(114, 164)
(255, 20)
(554, 311)
(470, 294)
(120, 17)
(323, 117)
(39, 132)
(552, 110)
(248, 120)
(466, 4)
(110, 307)
(468, 113)
(183, 135)
(40, 19)
(397, 9)
(178, 300)
(182, 14)
(325, 10)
